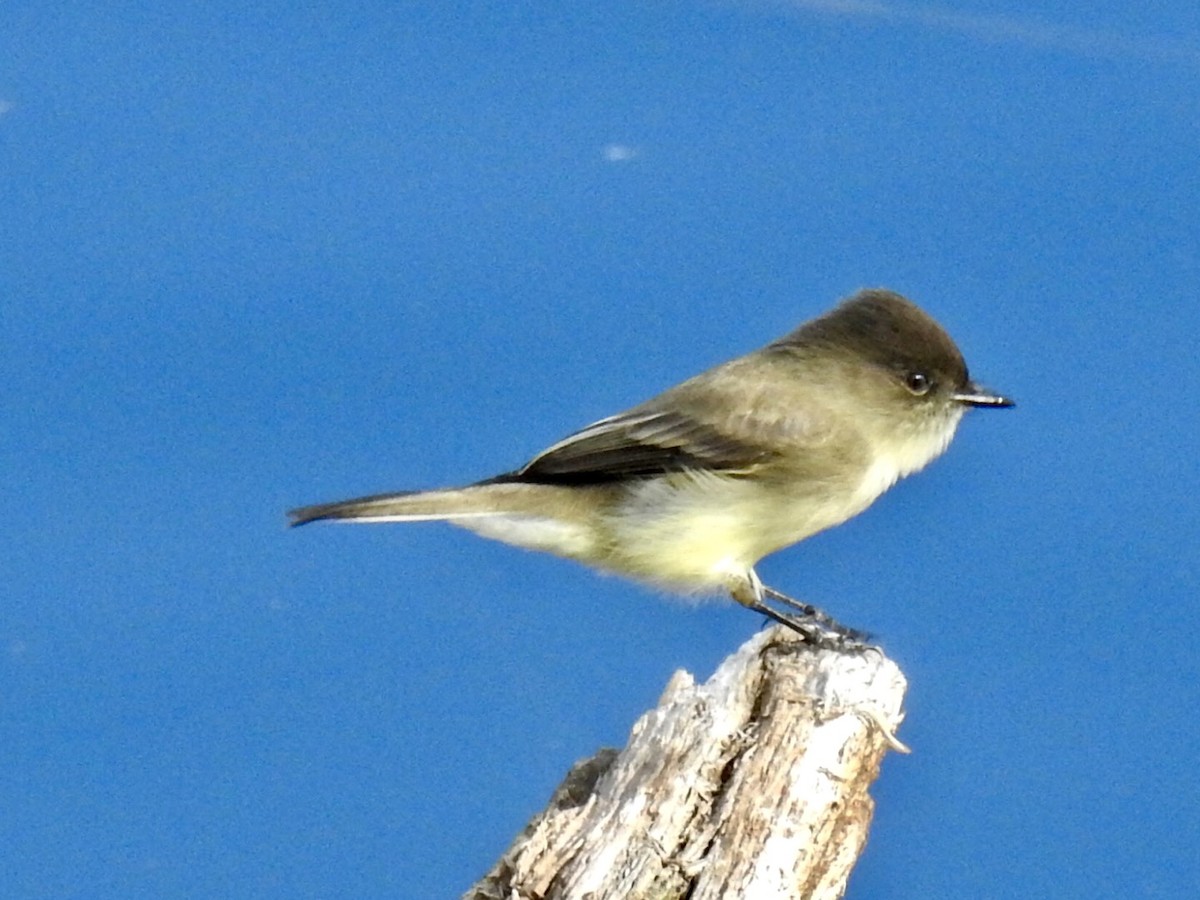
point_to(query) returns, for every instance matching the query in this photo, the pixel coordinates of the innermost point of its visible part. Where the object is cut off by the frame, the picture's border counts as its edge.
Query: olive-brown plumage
(691, 488)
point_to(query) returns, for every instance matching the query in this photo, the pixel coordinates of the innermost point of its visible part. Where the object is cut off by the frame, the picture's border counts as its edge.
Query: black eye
(918, 383)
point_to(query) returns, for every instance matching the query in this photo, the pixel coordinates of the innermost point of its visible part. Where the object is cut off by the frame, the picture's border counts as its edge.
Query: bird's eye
(918, 383)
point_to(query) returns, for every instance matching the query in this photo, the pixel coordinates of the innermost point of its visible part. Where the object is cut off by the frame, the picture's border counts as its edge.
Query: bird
(690, 489)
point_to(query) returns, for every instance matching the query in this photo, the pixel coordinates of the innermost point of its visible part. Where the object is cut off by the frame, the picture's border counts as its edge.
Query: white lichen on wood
(753, 784)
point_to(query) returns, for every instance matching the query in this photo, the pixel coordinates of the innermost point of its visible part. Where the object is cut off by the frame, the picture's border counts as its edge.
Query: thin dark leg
(824, 633)
(817, 628)
(822, 619)
(811, 631)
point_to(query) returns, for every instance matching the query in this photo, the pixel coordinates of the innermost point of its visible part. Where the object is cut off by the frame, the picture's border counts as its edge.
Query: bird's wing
(713, 425)
(641, 443)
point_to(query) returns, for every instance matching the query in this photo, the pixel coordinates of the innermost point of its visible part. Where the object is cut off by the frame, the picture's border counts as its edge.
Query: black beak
(974, 395)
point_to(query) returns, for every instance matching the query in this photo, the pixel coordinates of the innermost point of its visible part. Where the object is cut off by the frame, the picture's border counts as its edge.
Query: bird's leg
(808, 611)
(816, 627)
(810, 631)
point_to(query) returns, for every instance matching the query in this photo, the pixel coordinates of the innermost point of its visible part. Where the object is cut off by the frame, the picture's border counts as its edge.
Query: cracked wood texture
(751, 785)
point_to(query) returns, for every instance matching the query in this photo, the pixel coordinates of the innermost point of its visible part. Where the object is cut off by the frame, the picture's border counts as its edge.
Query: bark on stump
(751, 785)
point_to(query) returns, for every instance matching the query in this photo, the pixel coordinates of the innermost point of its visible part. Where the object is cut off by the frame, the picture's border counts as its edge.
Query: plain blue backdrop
(256, 255)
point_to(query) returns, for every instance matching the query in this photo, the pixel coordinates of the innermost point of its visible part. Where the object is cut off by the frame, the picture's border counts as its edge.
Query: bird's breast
(695, 531)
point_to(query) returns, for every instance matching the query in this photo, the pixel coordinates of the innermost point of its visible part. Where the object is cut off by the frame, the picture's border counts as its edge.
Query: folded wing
(712, 423)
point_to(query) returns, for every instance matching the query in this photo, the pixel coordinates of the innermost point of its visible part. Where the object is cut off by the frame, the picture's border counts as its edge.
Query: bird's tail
(536, 516)
(410, 506)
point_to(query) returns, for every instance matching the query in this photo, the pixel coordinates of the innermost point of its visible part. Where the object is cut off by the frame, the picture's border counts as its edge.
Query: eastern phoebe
(693, 487)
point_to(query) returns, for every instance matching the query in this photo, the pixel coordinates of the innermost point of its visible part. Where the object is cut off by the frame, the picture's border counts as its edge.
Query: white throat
(902, 454)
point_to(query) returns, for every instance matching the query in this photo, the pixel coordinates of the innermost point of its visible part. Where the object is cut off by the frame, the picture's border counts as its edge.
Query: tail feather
(541, 517)
(411, 506)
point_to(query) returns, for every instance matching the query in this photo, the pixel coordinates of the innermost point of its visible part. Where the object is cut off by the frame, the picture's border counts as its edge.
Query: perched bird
(689, 490)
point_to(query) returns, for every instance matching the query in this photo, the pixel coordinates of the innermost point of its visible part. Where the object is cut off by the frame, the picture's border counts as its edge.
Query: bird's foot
(816, 627)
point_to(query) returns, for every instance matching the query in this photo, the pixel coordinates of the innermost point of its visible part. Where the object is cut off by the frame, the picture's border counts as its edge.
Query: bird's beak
(974, 395)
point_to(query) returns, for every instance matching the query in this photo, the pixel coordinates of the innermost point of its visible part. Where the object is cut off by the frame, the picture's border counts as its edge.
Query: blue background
(256, 255)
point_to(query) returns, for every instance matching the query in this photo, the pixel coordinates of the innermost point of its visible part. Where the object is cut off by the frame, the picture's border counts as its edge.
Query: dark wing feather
(742, 415)
(637, 444)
